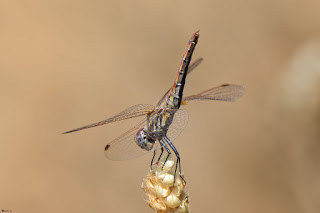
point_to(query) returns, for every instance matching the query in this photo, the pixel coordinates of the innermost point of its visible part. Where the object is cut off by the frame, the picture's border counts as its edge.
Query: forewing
(226, 92)
(131, 112)
(178, 124)
(124, 147)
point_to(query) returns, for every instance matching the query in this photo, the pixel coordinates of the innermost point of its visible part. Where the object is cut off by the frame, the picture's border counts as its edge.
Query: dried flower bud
(162, 195)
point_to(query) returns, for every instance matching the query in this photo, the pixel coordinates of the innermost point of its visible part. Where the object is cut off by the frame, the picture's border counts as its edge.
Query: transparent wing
(124, 147)
(191, 68)
(131, 112)
(195, 65)
(178, 124)
(226, 92)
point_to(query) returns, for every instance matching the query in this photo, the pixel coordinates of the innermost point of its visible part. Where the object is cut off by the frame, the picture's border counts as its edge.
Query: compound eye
(141, 133)
(142, 141)
(141, 137)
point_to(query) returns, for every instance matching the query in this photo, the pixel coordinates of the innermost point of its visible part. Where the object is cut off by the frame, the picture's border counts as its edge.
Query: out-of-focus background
(64, 64)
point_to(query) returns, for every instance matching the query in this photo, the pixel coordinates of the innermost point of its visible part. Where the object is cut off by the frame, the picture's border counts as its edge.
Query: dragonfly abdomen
(176, 92)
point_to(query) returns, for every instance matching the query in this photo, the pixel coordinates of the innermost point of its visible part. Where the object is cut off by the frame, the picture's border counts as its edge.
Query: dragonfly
(162, 123)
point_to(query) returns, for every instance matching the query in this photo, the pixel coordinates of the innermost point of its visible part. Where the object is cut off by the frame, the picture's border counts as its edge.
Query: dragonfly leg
(154, 154)
(168, 150)
(178, 159)
(160, 154)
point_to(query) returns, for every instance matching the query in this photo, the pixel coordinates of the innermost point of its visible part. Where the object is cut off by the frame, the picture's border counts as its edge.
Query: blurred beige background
(64, 64)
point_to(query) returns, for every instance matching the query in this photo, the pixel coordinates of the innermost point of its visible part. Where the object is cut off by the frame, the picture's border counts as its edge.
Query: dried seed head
(162, 195)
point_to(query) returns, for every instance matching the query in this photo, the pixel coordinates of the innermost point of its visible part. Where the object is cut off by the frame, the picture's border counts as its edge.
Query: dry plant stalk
(162, 195)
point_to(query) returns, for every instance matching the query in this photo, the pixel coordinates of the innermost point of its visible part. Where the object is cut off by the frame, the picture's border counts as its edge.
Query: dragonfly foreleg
(160, 154)
(154, 155)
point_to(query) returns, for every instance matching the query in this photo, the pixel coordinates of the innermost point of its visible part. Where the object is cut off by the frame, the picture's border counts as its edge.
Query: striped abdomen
(175, 94)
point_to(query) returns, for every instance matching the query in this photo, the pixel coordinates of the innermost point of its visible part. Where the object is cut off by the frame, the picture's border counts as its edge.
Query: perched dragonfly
(165, 121)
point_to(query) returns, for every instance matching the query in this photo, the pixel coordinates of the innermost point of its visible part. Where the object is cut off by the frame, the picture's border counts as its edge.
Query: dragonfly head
(143, 140)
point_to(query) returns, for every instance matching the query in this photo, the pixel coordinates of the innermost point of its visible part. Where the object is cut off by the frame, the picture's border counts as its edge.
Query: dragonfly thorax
(143, 140)
(158, 123)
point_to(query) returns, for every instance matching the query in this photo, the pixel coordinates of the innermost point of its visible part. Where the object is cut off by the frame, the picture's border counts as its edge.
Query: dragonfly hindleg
(178, 159)
(167, 149)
